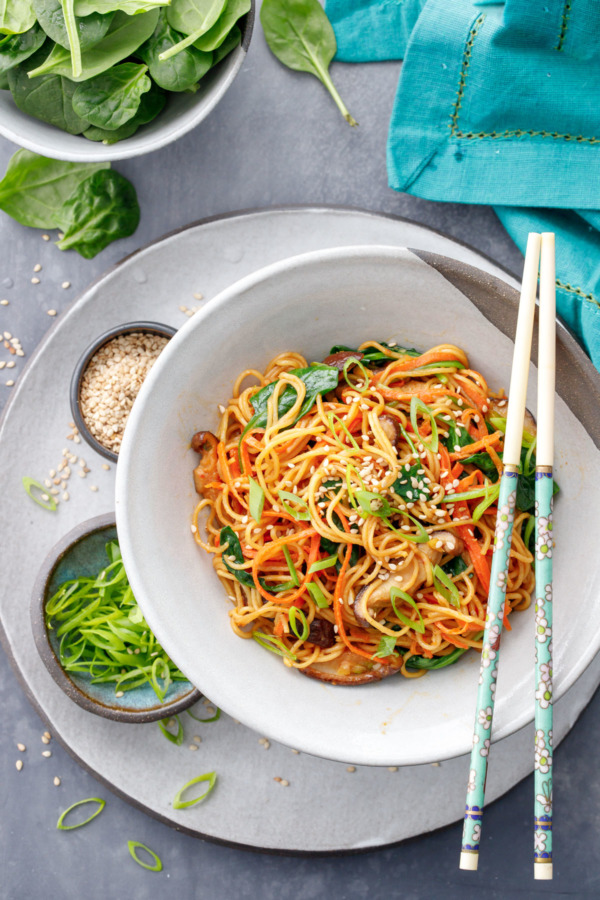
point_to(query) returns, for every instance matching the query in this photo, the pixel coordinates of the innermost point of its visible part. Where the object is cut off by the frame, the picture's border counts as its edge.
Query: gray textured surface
(276, 138)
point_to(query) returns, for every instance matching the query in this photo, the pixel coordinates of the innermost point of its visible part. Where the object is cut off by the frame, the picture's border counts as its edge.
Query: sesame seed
(105, 466)
(47, 753)
(37, 268)
(193, 747)
(3, 302)
(21, 747)
(93, 487)
(65, 285)
(193, 529)
(197, 739)
(284, 782)
(119, 694)
(350, 768)
(198, 296)
(297, 752)
(45, 237)
(19, 765)
(10, 383)
(35, 280)
(56, 781)
(51, 312)
(392, 768)
(45, 740)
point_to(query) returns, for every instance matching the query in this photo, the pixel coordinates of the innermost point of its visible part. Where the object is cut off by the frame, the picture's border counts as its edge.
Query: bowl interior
(309, 304)
(85, 557)
(182, 112)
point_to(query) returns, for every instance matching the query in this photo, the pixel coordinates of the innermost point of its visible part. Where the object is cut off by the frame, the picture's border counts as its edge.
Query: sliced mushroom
(321, 633)
(338, 360)
(391, 428)
(349, 669)
(205, 443)
(529, 422)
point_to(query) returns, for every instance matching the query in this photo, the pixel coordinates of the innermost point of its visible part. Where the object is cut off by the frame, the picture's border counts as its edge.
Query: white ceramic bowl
(182, 112)
(309, 303)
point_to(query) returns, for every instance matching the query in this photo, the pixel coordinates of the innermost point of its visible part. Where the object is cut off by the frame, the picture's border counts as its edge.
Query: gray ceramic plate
(247, 808)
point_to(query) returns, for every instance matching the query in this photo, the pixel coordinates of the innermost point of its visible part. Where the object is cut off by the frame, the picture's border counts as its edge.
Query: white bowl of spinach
(86, 80)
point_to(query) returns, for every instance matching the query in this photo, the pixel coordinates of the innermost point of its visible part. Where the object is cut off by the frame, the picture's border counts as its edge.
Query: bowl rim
(46, 651)
(157, 328)
(112, 153)
(464, 277)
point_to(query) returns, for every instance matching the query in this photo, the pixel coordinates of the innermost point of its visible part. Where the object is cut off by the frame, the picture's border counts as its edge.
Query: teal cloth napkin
(498, 103)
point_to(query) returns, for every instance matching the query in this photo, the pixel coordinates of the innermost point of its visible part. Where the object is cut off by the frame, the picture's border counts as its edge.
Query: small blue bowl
(82, 553)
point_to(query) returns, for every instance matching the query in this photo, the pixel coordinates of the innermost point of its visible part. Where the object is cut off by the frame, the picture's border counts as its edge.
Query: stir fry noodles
(350, 508)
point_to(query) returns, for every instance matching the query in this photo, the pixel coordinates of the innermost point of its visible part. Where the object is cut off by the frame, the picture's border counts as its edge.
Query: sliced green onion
(291, 566)
(101, 804)
(487, 501)
(446, 587)
(33, 488)
(408, 440)
(331, 418)
(301, 514)
(386, 647)
(432, 367)
(134, 846)
(317, 594)
(363, 370)
(374, 504)
(257, 500)
(323, 564)
(468, 495)
(293, 617)
(274, 644)
(166, 677)
(421, 538)
(179, 803)
(214, 718)
(176, 739)
(499, 423)
(417, 405)
(406, 598)
(529, 469)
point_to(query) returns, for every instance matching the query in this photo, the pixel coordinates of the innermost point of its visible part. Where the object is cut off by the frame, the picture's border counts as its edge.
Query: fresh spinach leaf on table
(151, 104)
(16, 48)
(103, 208)
(179, 73)
(16, 16)
(111, 99)
(192, 18)
(35, 189)
(215, 36)
(125, 35)
(300, 35)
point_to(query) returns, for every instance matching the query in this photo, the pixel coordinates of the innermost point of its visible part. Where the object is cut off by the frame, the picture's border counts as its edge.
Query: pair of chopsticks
(539, 257)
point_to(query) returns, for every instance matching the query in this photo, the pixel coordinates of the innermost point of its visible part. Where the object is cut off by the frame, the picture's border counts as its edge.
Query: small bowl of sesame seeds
(92, 637)
(108, 378)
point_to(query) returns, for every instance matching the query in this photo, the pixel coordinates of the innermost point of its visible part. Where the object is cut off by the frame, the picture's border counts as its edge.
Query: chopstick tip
(542, 871)
(469, 859)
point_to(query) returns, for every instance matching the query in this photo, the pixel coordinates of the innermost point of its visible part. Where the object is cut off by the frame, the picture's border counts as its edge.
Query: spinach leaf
(113, 98)
(125, 35)
(34, 189)
(228, 536)
(192, 18)
(16, 16)
(15, 49)
(103, 208)
(457, 437)
(233, 40)
(50, 15)
(319, 379)
(215, 36)
(131, 7)
(180, 72)
(484, 463)
(410, 485)
(437, 662)
(300, 35)
(151, 104)
(4, 85)
(49, 99)
(454, 566)
(374, 357)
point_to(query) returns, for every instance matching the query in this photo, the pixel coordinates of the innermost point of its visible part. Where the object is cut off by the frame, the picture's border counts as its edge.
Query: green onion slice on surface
(214, 718)
(179, 803)
(101, 804)
(164, 724)
(39, 494)
(134, 846)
